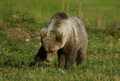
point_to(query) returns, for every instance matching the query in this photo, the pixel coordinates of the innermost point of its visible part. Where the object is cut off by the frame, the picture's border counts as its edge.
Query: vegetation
(22, 19)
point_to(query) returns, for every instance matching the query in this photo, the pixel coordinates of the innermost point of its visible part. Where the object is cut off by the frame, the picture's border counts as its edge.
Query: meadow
(20, 24)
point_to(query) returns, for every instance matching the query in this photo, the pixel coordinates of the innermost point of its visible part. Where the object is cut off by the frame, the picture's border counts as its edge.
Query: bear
(41, 56)
(65, 36)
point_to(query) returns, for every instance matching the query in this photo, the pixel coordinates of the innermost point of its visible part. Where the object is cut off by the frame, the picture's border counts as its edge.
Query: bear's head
(51, 42)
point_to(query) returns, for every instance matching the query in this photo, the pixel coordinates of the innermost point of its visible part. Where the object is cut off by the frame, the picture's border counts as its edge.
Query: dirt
(20, 34)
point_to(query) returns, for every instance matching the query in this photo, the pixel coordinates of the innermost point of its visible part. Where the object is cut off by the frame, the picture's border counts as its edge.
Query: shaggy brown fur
(58, 17)
(66, 36)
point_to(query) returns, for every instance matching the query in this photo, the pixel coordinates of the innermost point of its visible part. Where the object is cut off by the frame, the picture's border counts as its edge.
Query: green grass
(103, 28)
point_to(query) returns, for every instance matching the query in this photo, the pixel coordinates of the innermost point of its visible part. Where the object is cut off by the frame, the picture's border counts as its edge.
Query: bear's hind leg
(81, 56)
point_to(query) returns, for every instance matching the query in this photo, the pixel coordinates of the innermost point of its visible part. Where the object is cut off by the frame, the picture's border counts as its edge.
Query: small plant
(79, 12)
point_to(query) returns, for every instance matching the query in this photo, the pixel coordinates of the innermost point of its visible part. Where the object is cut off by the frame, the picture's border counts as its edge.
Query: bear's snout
(47, 60)
(49, 57)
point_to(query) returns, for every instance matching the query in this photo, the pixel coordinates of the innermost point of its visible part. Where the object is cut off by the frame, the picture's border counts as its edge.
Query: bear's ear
(43, 33)
(59, 38)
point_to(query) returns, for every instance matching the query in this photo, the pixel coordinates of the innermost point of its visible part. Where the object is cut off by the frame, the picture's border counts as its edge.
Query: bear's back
(79, 25)
(73, 29)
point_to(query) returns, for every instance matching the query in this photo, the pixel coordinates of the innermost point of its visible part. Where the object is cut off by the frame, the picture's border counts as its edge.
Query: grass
(103, 28)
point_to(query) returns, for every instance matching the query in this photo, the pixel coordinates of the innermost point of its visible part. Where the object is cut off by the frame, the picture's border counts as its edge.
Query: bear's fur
(66, 36)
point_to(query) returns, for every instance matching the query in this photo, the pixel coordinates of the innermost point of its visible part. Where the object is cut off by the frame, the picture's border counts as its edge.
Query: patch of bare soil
(21, 34)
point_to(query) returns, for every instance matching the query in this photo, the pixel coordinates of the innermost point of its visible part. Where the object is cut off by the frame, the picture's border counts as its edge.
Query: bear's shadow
(9, 63)
(32, 64)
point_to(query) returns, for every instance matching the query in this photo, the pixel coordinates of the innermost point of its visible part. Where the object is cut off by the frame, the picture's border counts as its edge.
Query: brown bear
(66, 36)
